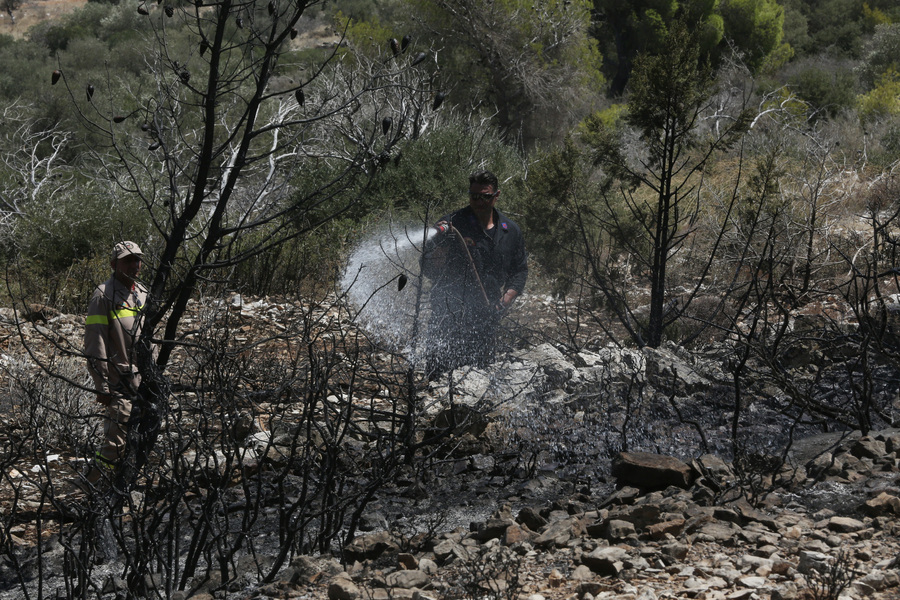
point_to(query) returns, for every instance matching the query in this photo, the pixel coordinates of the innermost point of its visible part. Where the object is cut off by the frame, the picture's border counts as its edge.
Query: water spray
(382, 283)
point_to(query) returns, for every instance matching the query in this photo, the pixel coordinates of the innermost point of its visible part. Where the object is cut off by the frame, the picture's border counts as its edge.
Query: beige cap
(123, 249)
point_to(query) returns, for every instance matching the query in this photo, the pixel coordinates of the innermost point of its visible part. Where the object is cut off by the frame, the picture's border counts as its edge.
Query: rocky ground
(684, 541)
(588, 515)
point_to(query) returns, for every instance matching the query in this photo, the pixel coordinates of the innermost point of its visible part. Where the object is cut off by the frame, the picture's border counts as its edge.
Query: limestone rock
(342, 588)
(608, 561)
(651, 471)
(406, 579)
(883, 504)
(371, 546)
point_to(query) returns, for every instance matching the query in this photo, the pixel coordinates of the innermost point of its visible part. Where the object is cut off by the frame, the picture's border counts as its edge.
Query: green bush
(83, 223)
(882, 101)
(307, 262)
(22, 65)
(431, 175)
(883, 54)
(828, 88)
(558, 183)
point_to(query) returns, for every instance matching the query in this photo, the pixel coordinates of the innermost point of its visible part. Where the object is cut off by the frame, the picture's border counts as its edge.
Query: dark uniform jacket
(465, 306)
(499, 257)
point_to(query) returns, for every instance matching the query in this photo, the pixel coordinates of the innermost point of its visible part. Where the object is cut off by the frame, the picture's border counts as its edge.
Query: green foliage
(883, 100)
(875, 16)
(827, 88)
(667, 89)
(607, 119)
(651, 198)
(359, 11)
(796, 26)
(883, 54)
(525, 64)
(602, 131)
(61, 230)
(365, 35)
(888, 148)
(313, 259)
(836, 26)
(432, 174)
(21, 64)
(559, 179)
(88, 22)
(756, 27)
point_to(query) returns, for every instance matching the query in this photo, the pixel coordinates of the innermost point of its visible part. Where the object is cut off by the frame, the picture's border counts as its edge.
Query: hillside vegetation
(698, 178)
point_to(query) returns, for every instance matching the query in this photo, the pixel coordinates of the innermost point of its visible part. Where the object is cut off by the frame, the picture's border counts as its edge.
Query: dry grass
(33, 12)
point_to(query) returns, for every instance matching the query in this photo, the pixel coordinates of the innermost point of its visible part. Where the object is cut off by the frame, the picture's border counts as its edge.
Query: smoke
(382, 285)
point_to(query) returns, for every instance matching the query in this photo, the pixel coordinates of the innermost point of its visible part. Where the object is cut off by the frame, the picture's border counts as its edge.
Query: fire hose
(444, 227)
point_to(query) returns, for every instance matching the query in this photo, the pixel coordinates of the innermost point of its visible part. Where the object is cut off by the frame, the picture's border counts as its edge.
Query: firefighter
(478, 266)
(112, 327)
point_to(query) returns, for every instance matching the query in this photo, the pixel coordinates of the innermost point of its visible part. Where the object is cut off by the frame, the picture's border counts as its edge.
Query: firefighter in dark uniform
(478, 266)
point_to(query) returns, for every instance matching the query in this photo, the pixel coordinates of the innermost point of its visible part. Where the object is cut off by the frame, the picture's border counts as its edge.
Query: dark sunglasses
(485, 197)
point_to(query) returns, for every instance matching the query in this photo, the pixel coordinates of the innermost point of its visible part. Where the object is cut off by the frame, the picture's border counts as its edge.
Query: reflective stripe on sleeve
(123, 313)
(96, 320)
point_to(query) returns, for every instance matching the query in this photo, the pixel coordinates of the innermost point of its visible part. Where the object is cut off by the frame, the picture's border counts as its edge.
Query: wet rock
(665, 370)
(698, 544)
(556, 367)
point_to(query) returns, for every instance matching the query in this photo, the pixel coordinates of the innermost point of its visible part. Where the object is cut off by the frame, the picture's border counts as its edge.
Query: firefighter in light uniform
(112, 327)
